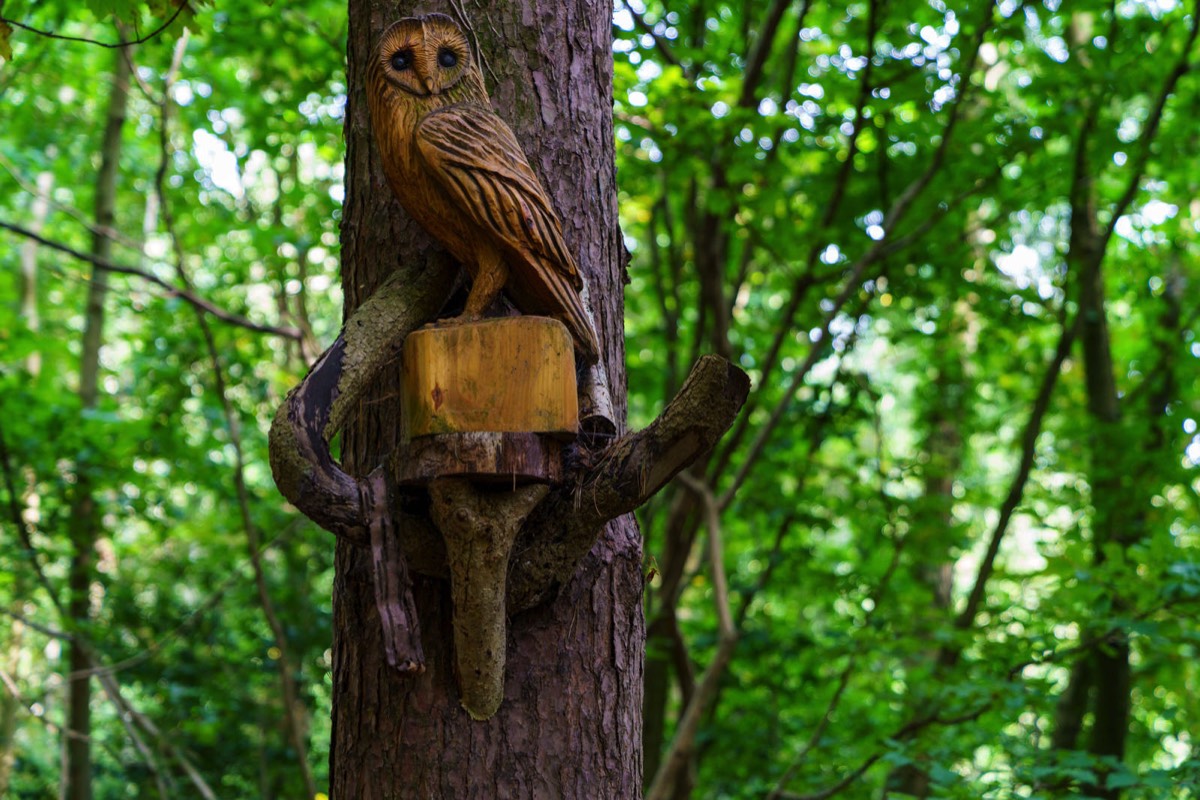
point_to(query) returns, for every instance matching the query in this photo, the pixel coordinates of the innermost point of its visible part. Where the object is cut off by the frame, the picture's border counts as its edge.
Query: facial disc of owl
(425, 56)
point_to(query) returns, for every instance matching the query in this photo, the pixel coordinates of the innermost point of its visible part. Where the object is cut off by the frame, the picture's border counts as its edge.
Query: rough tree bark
(570, 722)
(569, 726)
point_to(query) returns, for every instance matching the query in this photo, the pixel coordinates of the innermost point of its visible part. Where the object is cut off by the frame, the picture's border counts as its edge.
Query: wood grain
(514, 374)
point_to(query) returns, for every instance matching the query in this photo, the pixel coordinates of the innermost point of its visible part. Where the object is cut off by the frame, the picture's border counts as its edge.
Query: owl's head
(424, 56)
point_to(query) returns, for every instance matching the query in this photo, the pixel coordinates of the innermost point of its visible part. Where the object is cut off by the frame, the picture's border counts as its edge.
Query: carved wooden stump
(490, 400)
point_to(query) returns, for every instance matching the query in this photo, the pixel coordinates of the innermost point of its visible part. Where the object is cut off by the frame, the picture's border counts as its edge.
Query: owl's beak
(431, 84)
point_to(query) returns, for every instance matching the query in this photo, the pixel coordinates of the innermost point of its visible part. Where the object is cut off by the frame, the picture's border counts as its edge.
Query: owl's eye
(447, 58)
(401, 60)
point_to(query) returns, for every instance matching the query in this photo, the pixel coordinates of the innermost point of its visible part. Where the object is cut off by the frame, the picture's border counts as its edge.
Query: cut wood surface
(513, 374)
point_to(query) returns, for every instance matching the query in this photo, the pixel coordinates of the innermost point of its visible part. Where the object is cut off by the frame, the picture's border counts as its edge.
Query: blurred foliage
(253, 184)
(866, 205)
(883, 205)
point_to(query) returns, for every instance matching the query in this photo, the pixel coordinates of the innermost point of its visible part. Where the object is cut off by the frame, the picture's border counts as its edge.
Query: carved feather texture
(459, 172)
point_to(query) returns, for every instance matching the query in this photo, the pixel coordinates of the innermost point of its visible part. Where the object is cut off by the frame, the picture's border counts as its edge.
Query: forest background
(955, 244)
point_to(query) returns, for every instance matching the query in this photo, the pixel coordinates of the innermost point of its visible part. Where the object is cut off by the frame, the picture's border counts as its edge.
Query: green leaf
(941, 775)
(1121, 779)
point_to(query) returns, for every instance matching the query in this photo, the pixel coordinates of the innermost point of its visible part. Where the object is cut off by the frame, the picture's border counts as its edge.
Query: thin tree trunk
(9, 703)
(1121, 489)
(1119, 515)
(38, 211)
(657, 689)
(1072, 706)
(570, 723)
(932, 537)
(1114, 510)
(83, 524)
(679, 535)
(1107, 676)
(294, 716)
(932, 542)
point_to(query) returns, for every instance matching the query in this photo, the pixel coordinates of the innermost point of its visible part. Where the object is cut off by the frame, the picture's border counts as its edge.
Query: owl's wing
(474, 156)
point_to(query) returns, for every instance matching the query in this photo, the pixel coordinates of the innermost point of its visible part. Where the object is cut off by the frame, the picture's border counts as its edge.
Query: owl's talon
(461, 319)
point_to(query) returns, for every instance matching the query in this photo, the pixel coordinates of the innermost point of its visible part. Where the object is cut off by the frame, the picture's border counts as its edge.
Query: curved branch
(564, 527)
(183, 294)
(83, 219)
(684, 742)
(315, 410)
(1029, 437)
(110, 45)
(304, 469)
(1150, 130)
(559, 533)
(660, 44)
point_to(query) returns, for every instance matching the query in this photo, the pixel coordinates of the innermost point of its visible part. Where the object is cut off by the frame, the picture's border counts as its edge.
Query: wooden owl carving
(459, 172)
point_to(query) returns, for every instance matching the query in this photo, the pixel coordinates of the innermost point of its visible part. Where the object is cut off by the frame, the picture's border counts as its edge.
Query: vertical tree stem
(83, 525)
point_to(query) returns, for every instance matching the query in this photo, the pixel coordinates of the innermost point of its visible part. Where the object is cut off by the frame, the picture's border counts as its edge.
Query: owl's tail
(541, 287)
(578, 319)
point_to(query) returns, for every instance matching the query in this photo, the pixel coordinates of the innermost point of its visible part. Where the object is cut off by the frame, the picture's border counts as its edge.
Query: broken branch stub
(393, 585)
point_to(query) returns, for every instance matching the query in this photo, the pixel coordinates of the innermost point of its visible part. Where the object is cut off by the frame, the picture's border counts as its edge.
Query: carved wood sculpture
(459, 172)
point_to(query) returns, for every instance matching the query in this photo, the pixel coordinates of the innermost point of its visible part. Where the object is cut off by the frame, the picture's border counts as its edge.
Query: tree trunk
(14, 636)
(932, 537)
(570, 722)
(9, 705)
(83, 525)
(38, 211)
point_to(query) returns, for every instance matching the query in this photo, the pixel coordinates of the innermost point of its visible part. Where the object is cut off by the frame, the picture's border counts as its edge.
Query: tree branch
(757, 57)
(684, 741)
(125, 710)
(183, 294)
(18, 521)
(660, 44)
(315, 410)
(83, 219)
(878, 251)
(910, 193)
(547, 551)
(1151, 129)
(291, 710)
(934, 717)
(564, 527)
(807, 280)
(111, 45)
(14, 691)
(1029, 437)
(156, 646)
